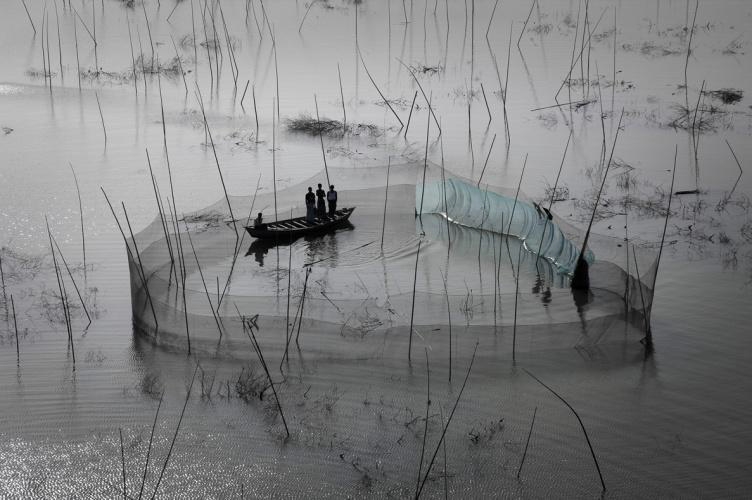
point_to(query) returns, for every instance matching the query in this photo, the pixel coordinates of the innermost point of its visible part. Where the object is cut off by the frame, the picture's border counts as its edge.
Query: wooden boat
(298, 226)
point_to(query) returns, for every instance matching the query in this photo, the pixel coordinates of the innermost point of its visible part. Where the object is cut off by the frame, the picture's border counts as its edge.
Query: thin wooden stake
(487, 157)
(527, 443)
(342, 97)
(321, 138)
(104, 129)
(449, 420)
(15, 327)
(29, 16)
(122, 458)
(175, 436)
(379, 91)
(148, 450)
(386, 197)
(584, 431)
(412, 309)
(411, 113)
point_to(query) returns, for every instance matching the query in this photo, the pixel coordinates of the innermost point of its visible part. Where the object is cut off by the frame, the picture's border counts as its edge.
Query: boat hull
(297, 227)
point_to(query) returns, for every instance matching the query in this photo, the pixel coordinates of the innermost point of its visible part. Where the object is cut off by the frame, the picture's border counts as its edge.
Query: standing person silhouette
(310, 202)
(331, 198)
(320, 203)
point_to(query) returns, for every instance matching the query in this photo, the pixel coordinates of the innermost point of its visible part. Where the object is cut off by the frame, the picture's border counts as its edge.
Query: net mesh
(468, 257)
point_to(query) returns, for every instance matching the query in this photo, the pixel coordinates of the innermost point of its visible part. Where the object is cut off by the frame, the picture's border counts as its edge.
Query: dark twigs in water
(584, 431)
(527, 443)
(449, 420)
(175, 436)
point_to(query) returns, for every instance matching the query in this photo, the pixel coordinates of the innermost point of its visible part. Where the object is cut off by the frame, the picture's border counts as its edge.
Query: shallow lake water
(667, 422)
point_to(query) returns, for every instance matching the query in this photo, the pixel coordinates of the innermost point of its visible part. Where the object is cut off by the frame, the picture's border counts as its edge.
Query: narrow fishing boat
(298, 226)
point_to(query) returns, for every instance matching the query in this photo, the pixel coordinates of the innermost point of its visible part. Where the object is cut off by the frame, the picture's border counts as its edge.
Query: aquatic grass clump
(705, 118)
(333, 128)
(726, 96)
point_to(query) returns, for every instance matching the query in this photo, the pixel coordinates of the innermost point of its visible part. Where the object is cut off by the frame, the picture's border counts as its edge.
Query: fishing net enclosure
(424, 248)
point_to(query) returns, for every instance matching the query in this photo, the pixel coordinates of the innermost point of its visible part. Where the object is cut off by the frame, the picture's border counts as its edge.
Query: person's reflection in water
(258, 255)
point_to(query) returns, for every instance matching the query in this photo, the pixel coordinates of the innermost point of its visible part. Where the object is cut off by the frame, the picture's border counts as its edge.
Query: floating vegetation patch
(652, 49)
(726, 96)
(542, 29)
(39, 73)
(703, 119)
(734, 47)
(427, 70)
(334, 128)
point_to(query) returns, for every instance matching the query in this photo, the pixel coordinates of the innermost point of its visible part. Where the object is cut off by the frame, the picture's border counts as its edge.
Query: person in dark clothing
(331, 198)
(310, 202)
(258, 222)
(320, 203)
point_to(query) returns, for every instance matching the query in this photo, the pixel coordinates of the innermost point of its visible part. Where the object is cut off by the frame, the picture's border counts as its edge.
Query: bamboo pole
(412, 309)
(386, 197)
(175, 436)
(321, 138)
(527, 442)
(148, 450)
(584, 431)
(449, 420)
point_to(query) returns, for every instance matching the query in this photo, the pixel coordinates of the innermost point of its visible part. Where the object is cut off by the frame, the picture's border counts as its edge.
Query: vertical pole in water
(321, 138)
(412, 310)
(386, 197)
(342, 96)
(15, 326)
(516, 294)
(274, 160)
